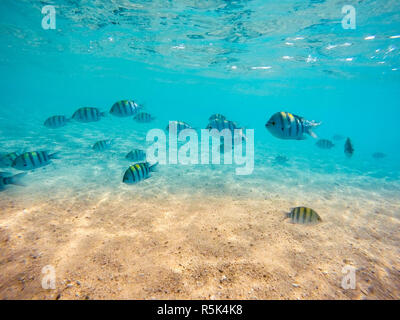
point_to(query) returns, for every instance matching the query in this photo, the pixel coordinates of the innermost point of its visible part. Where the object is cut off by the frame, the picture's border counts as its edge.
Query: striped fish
(179, 125)
(8, 159)
(87, 114)
(285, 125)
(378, 155)
(348, 148)
(324, 144)
(143, 117)
(33, 160)
(7, 178)
(217, 116)
(136, 155)
(221, 125)
(124, 108)
(102, 145)
(304, 215)
(55, 122)
(138, 172)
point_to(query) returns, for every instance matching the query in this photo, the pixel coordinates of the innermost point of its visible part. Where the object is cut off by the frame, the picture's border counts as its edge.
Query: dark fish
(88, 115)
(124, 108)
(324, 144)
(348, 148)
(143, 117)
(33, 160)
(180, 125)
(378, 155)
(7, 178)
(138, 172)
(55, 122)
(279, 159)
(304, 215)
(285, 125)
(217, 116)
(102, 145)
(136, 155)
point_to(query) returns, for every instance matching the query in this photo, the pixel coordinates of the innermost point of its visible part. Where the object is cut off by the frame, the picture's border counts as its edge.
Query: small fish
(324, 144)
(179, 125)
(217, 116)
(7, 159)
(55, 122)
(33, 160)
(136, 155)
(7, 178)
(222, 124)
(102, 145)
(348, 148)
(124, 108)
(138, 172)
(143, 117)
(304, 215)
(337, 137)
(378, 155)
(87, 114)
(285, 125)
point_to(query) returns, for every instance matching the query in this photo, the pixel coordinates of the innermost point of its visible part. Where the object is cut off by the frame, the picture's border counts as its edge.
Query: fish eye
(273, 123)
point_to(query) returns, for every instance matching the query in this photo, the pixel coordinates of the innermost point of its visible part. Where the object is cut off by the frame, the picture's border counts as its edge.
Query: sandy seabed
(193, 247)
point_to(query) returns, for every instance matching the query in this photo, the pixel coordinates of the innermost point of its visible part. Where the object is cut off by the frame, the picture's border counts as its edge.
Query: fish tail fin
(54, 155)
(312, 124)
(17, 179)
(153, 168)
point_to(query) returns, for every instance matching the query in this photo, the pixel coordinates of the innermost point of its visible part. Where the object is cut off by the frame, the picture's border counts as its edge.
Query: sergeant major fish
(217, 116)
(138, 172)
(136, 155)
(7, 159)
(33, 160)
(88, 114)
(221, 125)
(285, 125)
(7, 178)
(55, 122)
(348, 148)
(179, 125)
(124, 108)
(102, 145)
(304, 215)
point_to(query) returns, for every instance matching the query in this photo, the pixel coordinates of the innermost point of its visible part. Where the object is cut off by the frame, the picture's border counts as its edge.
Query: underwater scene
(189, 149)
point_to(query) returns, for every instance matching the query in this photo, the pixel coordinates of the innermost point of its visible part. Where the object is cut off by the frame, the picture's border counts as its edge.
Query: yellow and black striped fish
(179, 125)
(55, 122)
(102, 145)
(138, 172)
(124, 108)
(285, 125)
(143, 117)
(136, 155)
(220, 124)
(304, 215)
(88, 114)
(33, 160)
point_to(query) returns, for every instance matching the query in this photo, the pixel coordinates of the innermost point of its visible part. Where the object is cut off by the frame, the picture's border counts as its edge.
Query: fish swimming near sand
(55, 122)
(303, 215)
(138, 172)
(324, 144)
(7, 178)
(143, 117)
(33, 160)
(102, 145)
(348, 148)
(136, 155)
(88, 114)
(378, 155)
(125, 108)
(217, 116)
(285, 125)
(7, 159)
(180, 125)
